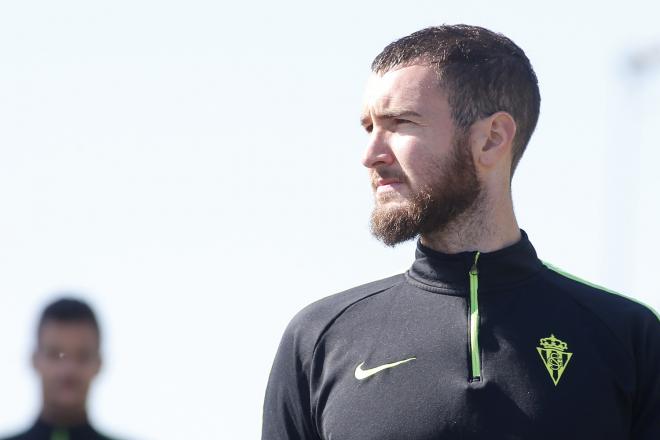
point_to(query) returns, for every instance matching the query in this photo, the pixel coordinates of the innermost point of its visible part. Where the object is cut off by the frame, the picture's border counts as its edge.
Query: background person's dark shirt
(43, 431)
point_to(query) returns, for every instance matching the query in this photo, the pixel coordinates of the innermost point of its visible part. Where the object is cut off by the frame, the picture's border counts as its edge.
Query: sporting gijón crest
(555, 357)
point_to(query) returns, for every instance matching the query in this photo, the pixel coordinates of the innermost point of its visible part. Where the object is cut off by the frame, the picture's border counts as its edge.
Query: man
(67, 359)
(478, 339)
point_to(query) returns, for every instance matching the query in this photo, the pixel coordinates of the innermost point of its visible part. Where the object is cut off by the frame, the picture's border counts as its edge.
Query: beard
(453, 191)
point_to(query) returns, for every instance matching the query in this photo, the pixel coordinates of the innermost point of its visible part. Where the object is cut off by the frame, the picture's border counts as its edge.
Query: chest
(404, 370)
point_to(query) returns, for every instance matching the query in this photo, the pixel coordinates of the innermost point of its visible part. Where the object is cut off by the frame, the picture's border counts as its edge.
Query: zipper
(475, 358)
(59, 434)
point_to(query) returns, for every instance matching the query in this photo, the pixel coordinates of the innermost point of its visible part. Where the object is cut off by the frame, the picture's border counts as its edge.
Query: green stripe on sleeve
(596, 286)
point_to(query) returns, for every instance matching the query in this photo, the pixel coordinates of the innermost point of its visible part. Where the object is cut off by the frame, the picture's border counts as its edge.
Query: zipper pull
(474, 270)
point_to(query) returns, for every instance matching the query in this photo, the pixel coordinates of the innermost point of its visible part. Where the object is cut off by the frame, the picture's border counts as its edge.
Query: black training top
(468, 346)
(43, 431)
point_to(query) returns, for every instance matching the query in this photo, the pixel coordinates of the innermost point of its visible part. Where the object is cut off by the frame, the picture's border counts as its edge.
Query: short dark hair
(68, 310)
(481, 71)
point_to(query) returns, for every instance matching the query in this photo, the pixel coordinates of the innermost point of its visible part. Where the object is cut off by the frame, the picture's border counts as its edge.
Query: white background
(192, 169)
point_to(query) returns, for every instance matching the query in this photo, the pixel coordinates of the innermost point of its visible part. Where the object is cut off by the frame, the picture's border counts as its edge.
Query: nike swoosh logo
(361, 374)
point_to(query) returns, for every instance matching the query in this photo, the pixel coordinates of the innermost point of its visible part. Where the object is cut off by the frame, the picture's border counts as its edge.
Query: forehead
(68, 334)
(406, 88)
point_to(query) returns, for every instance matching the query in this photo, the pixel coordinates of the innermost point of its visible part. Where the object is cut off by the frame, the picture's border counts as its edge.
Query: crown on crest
(553, 343)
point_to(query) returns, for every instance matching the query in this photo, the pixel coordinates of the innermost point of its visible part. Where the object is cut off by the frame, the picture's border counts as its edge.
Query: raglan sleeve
(287, 411)
(646, 405)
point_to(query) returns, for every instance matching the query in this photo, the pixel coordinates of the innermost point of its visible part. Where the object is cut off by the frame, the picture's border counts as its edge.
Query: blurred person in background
(67, 359)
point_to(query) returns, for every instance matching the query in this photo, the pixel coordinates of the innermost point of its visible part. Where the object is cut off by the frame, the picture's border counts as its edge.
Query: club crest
(554, 355)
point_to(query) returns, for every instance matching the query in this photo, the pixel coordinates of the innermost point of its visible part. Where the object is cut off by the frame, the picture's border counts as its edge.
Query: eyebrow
(390, 114)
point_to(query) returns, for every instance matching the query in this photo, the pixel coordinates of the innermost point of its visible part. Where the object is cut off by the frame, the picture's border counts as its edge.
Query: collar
(82, 431)
(449, 273)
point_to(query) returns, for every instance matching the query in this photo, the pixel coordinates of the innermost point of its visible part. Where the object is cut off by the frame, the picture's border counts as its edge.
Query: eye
(399, 124)
(368, 128)
(52, 354)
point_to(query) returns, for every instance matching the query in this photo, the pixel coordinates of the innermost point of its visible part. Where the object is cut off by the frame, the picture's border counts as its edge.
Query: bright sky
(193, 169)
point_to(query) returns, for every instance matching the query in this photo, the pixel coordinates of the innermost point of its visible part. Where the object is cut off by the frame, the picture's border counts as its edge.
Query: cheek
(47, 369)
(404, 148)
(414, 156)
(422, 170)
(89, 373)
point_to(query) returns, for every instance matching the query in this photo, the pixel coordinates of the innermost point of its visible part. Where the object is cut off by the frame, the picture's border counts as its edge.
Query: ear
(494, 138)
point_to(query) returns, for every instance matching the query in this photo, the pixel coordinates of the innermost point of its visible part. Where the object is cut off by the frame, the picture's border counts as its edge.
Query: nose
(378, 151)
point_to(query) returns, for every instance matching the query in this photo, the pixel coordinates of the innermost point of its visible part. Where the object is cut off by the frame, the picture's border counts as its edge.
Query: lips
(383, 179)
(382, 182)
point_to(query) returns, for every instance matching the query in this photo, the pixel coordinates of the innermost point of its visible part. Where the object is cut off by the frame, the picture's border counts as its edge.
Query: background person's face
(67, 359)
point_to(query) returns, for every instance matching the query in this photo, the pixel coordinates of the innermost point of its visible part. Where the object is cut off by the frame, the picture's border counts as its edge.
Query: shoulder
(102, 436)
(21, 436)
(309, 324)
(321, 312)
(24, 435)
(601, 299)
(626, 317)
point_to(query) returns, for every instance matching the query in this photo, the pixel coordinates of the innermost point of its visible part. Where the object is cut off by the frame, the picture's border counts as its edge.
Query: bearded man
(478, 339)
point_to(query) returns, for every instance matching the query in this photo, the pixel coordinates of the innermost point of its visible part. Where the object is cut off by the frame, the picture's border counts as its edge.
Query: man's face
(421, 167)
(67, 359)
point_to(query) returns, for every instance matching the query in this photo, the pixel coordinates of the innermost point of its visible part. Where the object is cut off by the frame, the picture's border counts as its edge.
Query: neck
(64, 417)
(488, 226)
